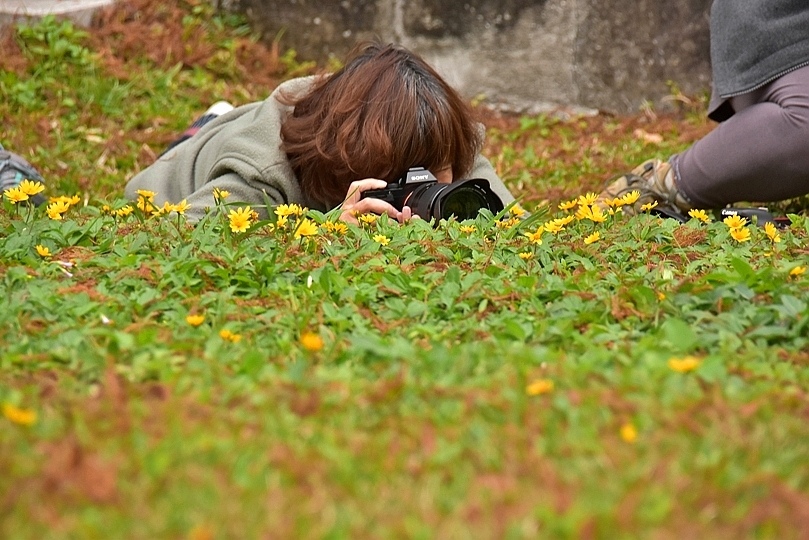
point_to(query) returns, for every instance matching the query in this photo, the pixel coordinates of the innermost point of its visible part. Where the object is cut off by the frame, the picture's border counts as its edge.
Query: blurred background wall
(519, 55)
(523, 55)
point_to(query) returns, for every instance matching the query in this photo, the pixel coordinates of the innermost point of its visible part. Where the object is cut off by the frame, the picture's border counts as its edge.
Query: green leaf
(679, 334)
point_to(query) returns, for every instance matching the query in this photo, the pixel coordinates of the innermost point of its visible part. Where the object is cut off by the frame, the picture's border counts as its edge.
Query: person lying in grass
(321, 141)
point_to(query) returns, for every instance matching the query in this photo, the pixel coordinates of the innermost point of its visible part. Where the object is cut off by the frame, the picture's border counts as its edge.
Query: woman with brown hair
(322, 141)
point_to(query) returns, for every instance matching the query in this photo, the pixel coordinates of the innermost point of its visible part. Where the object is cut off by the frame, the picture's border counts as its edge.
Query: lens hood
(462, 199)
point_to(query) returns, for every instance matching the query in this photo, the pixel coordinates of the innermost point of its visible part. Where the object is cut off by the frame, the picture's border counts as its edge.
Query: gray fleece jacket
(753, 42)
(240, 152)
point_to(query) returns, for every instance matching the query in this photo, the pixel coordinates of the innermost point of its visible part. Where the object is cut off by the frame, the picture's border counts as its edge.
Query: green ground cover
(605, 377)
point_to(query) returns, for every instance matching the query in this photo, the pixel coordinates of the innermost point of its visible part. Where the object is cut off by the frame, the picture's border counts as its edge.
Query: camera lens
(462, 199)
(463, 203)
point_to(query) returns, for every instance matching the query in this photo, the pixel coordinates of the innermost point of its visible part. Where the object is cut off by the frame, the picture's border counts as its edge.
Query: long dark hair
(385, 111)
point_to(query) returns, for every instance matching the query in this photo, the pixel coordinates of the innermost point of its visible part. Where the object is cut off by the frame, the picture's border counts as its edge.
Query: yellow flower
(648, 206)
(55, 210)
(335, 227)
(630, 198)
(382, 239)
(311, 342)
(612, 203)
(254, 215)
(281, 222)
(554, 226)
(124, 211)
(220, 195)
(31, 188)
(525, 255)
(595, 237)
(146, 205)
(240, 219)
(567, 220)
(797, 271)
(368, 218)
(19, 416)
(568, 205)
(75, 199)
(685, 364)
(195, 320)
(536, 236)
(306, 227)
(593, 213)
(105, 209)
(43, 251)
(539, 386)
(587, 199)
(288, 210)
(701, 215)
(661, 296)
(467, 229)
(227, 335)
(735, 221)
(146, 194)
(15, 195)
(517, 211)
(180, 207)
(507, 223)
(772, 232)
(629, 433)
(167, 208)
(740, 234)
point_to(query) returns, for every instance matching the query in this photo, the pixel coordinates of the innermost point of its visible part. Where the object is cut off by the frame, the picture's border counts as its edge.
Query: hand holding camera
(419, 190)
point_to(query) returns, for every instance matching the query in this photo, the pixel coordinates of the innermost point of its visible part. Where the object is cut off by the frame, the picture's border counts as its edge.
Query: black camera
(419, 189)
(761, 215)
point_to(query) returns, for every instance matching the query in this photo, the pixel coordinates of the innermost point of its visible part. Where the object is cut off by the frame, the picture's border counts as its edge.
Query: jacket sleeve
(482, 168)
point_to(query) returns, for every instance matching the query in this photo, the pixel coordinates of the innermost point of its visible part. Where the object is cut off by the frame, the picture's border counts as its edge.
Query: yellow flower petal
(227, 335)
(306, 227)
(772, 232)
(240, 219)
(311, 342)
(740, 234)
(31, 188)
(629, 433)
(587, 199)
(15, 195)
(23, 417)
(797, 271)
(685, 364)
(195, 320)
(648, 206)
(700, 215)
(735, 221)
(539, 386)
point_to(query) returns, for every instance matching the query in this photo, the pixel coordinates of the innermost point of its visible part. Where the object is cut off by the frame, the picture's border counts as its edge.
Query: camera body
(419, 189)
(758, 215)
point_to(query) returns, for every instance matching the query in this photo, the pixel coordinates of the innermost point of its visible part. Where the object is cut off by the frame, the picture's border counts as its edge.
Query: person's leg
(217, 109)
(759, 154)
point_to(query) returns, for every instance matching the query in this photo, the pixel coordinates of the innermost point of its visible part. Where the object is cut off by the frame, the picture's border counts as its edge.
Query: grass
(384, 381)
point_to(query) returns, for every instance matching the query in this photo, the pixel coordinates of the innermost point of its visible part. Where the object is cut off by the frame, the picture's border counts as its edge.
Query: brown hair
(385, 111)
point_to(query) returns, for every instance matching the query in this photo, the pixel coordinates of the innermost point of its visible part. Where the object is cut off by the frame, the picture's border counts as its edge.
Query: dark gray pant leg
(759, 154)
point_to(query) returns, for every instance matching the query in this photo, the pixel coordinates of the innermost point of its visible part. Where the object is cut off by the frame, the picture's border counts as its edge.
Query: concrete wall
(523, 55)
